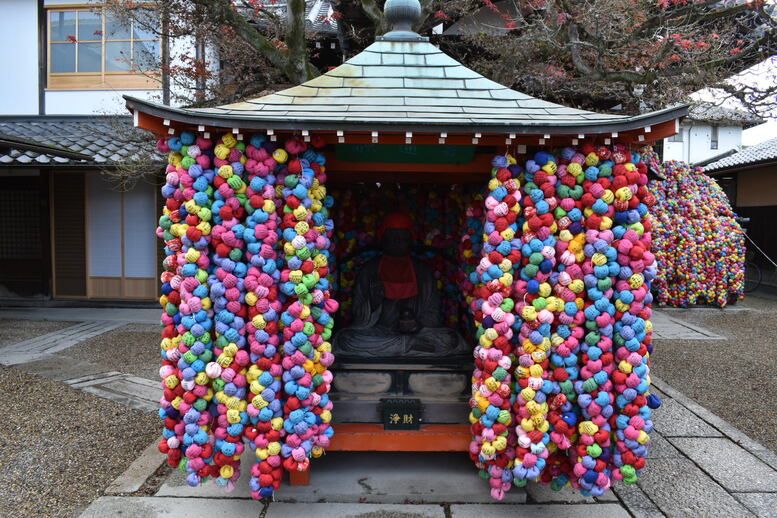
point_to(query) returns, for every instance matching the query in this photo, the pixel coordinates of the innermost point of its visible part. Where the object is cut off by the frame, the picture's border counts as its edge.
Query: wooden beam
(152, 123)
(445, 173)
(629, 137)
(372, 437)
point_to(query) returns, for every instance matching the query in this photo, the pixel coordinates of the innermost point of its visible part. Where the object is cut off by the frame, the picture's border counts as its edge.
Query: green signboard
(405, 153)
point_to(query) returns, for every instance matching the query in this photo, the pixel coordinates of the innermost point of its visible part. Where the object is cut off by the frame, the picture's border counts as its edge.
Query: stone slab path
(667, 327)
(123, 315)
(51, 343)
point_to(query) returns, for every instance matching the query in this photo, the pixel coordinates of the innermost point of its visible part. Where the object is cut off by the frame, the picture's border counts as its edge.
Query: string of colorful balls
(700, 247)
(560, 389)
(247, 308)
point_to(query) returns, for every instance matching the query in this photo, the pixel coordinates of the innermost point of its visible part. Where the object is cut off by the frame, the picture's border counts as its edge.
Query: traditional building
(708, 131)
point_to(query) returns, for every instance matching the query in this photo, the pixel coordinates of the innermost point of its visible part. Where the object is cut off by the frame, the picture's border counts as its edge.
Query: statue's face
(397, 242)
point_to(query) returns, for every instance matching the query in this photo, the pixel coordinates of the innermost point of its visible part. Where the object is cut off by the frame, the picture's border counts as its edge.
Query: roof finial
(402, 15)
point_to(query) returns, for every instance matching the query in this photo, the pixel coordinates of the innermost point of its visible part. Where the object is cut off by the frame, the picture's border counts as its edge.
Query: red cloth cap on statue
(396, 220)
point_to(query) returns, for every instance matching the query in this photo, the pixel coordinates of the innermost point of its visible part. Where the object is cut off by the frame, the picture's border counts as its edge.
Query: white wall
(696, 144)
(19, 57)
(87, 102)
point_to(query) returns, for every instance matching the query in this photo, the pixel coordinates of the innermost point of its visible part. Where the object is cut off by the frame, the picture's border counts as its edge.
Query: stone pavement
(667, 327)
(123, 315)
(699, 466)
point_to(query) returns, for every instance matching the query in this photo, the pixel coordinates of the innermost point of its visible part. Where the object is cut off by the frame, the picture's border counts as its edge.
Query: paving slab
(544, 494)
(674, 420)
(137, 472)
(660, 448)
(60, 367)
(176, 486)
(539, 511)
(637, 502)
(51, 343)
(395, 478)
(327, 510)
(126, 389)
(719, 423)
(730, 465)
(680, 489)
(608, 496)
(384, 478)
(666, 327)
(764, 505)
(140, 315)
(767, 456)
(153, 507)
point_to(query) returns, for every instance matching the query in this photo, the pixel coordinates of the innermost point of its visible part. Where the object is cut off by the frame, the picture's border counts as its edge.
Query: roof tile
(94, 136)
(763, 152)
(395, 81)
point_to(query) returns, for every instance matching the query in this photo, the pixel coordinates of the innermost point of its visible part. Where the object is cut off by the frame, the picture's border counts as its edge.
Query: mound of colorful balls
(562, 306)
(699, 245)
(247, 308)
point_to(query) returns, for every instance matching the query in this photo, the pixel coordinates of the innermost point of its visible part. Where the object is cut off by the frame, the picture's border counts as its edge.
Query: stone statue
(396, 304)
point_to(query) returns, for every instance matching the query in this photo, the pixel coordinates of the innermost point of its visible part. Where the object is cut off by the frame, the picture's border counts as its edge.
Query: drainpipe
(42, 59)
(165, 55)
(688, 158)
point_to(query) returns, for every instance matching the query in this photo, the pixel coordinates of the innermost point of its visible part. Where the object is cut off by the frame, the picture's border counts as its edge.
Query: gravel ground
(734, 378)
(60, 447)
(133, 349)
(13, 331)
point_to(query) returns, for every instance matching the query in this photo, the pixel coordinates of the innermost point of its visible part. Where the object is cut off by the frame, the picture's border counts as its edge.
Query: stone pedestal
(442, 387)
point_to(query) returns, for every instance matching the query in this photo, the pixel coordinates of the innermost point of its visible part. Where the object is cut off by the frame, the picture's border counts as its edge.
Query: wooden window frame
(103, 80)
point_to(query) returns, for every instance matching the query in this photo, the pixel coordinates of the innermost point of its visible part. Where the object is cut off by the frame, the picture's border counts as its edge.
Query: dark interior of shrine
(446, 232)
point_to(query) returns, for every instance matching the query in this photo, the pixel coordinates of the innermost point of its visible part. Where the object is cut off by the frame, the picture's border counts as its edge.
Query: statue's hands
(408, 323)
(376, 294)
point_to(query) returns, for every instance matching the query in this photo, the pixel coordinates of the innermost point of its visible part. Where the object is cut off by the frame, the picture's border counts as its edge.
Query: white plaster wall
(675, 150)
(87, 102)
(19, 57)
(697, 139)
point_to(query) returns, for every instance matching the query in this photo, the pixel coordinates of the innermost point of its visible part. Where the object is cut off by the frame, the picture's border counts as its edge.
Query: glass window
(63, 57)
(116, 29)
(678, 137)
(117, 56)
(714, 139)
(146, 55)
(63, 26)
(89, 56)
(88, 41)
(145, 26)
(90, 26)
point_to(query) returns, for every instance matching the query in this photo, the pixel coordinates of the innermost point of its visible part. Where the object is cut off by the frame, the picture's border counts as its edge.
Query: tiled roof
(764, 152)
(92, 136)
(404, 85)
(708, 112)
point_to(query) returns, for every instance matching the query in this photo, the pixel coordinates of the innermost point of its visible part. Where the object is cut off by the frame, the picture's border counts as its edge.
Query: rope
(759, 249)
